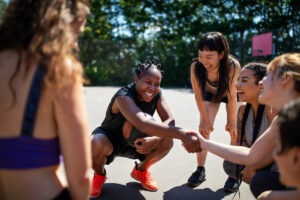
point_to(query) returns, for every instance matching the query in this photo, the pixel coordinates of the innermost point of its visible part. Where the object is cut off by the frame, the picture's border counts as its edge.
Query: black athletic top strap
(33, 102)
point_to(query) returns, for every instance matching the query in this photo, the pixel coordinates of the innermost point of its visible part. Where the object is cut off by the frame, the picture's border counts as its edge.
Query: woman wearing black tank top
(213, 75)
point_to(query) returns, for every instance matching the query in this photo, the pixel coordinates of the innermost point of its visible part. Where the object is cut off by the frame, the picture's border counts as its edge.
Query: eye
(157, 85)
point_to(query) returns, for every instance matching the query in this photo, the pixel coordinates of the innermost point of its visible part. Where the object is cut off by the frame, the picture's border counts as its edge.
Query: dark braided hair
(259, 70)
(146, 66)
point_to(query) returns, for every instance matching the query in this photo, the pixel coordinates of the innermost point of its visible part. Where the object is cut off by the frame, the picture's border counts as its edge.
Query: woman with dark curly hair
(134, 104)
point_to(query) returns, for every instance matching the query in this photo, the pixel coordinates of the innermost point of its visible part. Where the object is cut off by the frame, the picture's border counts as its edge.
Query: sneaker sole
(230, 190)
(195, 184)
(148, 189)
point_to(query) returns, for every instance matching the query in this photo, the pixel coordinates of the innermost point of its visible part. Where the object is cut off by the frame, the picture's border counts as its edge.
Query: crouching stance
(132, 104)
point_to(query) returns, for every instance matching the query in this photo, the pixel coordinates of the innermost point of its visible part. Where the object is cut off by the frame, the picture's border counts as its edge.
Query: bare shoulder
(241, 111)
(235, 65)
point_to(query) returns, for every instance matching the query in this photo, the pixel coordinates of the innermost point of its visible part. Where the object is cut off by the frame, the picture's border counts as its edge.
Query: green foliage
(120, 33)
(3, 6)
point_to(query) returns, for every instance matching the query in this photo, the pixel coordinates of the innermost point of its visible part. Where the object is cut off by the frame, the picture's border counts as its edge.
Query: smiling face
(269, 89)
(210, 59)
(247, 87)
(148, 84)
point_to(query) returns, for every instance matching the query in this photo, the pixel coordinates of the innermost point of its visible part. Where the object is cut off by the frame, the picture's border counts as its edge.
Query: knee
(101, 146)
(259, 183)
(167, 144)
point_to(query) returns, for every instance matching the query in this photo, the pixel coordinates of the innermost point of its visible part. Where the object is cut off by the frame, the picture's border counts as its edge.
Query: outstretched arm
(137, 118)
(262, 148)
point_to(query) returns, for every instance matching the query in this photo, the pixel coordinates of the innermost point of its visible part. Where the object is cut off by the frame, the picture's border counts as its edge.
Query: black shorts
(63, 195)
(120, 147)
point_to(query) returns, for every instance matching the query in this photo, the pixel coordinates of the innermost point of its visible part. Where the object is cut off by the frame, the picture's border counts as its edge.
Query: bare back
(11, 120)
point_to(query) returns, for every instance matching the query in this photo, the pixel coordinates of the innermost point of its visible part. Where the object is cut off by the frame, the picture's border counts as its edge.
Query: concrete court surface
(172, 171)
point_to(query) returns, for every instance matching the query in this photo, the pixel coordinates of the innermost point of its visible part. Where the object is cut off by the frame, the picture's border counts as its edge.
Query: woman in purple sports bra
(42, 107)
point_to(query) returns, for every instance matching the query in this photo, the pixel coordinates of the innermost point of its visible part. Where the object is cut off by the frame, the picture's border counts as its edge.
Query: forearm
(79, 187)
(231, 108)
(235, 154)
(266, 161)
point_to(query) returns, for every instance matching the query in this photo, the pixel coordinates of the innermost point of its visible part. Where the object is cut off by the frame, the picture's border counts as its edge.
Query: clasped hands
(192, 142)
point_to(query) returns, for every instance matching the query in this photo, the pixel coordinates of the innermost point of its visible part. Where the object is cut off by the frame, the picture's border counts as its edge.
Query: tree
(120, 33)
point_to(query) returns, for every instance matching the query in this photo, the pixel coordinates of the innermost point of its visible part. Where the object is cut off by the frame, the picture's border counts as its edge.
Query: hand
(146, 145)
(191, 143)
(205, 128)
(232, 131)
(248, 174)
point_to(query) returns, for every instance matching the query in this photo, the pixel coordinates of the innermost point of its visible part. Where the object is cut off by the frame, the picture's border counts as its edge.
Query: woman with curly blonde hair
(42, 107)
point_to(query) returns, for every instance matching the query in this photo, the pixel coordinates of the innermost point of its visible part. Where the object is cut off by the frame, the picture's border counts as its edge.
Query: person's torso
(26, 143)
(209, 90)
(113, 122)
(250, 123)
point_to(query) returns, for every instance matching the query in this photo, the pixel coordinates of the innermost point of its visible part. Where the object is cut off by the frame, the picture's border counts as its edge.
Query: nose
(237, 84)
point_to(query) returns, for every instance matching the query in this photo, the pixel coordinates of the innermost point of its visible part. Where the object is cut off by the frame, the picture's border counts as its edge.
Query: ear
(296, 158)
(135, 78)
(221, 55)
(286, 80)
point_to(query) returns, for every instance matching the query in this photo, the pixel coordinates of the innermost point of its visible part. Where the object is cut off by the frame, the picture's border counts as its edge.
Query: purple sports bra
(26, 152)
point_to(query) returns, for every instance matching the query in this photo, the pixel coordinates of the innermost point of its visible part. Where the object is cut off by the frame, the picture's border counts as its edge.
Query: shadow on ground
(131, 191)
(184, 192)
(116, 191)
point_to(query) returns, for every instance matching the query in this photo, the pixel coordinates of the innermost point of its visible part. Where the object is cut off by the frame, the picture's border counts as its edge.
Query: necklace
(211, 83)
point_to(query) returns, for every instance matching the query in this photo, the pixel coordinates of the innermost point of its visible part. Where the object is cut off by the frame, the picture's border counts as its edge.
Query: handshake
(192, 141)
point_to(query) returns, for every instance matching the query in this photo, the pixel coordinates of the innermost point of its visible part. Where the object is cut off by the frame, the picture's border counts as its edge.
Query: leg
(101, 149)
(161, 150)
(265, 180)
(141, 171)
(234, 178)
(198, 176)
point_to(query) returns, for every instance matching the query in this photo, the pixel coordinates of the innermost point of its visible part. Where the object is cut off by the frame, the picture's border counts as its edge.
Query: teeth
(148, 94)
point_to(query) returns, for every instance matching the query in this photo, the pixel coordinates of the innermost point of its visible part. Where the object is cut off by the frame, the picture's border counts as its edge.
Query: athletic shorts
(120, 147)
(63, 195)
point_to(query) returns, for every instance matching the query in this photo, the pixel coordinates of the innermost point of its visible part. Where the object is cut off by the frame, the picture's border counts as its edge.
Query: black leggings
(265, 180)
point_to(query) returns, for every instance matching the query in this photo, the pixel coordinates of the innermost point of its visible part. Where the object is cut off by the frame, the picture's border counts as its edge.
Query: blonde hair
(287, 64)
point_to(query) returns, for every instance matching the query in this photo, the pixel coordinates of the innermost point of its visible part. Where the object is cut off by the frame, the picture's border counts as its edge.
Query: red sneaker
(97, 184)
(145, 178)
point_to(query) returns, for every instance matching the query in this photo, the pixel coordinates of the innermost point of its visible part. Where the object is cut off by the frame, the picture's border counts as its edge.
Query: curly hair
(259, 70)
(146, 66)
(41, 31)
